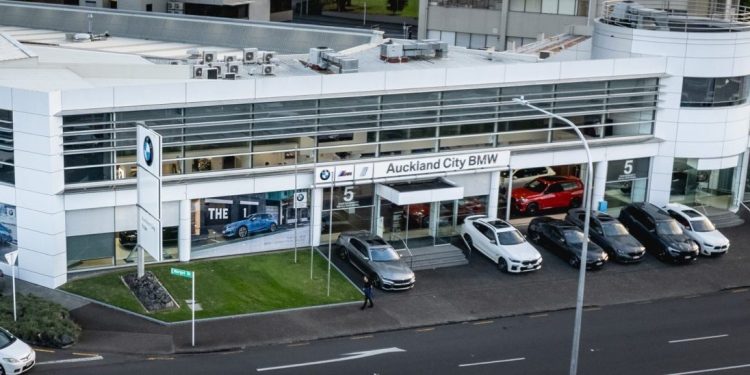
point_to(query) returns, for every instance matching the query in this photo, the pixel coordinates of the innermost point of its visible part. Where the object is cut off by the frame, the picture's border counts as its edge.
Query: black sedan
(566, 241)
(610, 235)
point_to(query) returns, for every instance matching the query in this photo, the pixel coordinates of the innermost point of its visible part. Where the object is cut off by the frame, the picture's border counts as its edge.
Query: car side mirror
(493, 242)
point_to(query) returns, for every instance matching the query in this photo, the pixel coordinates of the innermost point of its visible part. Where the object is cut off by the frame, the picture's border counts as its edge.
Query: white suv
(502, 243)
(699, 228)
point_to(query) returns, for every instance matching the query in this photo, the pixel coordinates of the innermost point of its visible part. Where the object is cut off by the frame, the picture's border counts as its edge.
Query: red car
(548, 192)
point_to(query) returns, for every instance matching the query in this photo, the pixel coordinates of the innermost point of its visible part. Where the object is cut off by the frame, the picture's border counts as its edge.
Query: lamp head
(520, 100)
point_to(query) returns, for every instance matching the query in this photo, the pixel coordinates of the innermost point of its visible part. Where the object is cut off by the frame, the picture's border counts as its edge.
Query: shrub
(40, 322)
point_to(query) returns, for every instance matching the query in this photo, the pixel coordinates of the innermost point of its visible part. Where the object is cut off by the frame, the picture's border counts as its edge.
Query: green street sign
(181, 273)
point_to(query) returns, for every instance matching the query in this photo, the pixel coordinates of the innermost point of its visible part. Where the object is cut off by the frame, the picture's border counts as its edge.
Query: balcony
(477, 4)
(677, 15)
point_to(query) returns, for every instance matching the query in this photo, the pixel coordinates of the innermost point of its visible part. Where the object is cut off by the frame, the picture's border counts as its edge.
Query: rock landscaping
(150, 292)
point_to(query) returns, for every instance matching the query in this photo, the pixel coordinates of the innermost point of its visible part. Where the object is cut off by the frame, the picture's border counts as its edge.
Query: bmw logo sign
(300, 197)
(148, 151)
(325, 174)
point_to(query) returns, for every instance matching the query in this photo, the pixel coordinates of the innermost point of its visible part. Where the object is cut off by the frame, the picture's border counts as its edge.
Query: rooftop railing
(478, 4)
(677, 15)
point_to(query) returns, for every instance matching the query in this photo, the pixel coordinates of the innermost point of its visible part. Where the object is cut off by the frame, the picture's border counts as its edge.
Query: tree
(396, 5)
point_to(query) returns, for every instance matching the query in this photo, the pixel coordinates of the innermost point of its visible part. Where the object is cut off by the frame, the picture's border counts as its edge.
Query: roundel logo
(148, 151)
(300, 197)
(325, 174)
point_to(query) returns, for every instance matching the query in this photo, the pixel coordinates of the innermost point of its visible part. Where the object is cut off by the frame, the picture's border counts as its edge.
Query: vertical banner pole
(13, 272)
(194, 306)
(330, 239)
(294, 203)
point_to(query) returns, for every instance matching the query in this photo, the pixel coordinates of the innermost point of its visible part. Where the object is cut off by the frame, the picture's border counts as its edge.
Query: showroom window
(7, 171)
(696, 184)
(627, 182)
(715, 92)
(566, 7)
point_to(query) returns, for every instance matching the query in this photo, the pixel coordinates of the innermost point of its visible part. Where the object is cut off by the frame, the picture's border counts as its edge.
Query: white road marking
(346, 357)
(697, 338)
(710, 370)
(72, 360)
(491, 362)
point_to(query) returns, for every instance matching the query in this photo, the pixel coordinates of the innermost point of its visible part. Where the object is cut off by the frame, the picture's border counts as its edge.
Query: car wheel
(573, 261)
(273, 227)
(468, 241)
(376, 282)
(502, 265)
(343, 254)
(242, 232)
(575, 203)
(532, 209)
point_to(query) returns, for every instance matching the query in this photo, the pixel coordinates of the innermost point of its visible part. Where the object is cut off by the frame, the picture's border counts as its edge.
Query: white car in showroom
(502, 243)
(699, 229)
(16, 356)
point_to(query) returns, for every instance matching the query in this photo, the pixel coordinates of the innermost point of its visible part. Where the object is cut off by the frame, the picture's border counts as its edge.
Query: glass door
(447, 225)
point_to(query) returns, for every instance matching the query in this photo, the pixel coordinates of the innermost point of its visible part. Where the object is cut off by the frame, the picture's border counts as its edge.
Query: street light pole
(584, 249)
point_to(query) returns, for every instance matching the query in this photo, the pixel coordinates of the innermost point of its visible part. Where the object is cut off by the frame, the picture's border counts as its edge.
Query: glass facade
(101, 147)
(627, 182)
(715, 92)
(701, 187)
(567, 7)
(7, 172)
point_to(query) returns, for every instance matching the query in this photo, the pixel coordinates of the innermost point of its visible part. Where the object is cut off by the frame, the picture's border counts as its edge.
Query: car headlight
(605, 256)
(673, 250)
(522, 199)
(514, 261)
(11, 360)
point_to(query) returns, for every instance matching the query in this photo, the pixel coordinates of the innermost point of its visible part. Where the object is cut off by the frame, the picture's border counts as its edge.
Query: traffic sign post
(11, 257)
(188, 275)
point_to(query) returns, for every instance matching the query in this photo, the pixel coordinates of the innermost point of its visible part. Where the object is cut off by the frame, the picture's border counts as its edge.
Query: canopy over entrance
(420, 192)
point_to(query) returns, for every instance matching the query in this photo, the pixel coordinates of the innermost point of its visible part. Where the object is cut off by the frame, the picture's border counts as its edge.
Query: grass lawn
(229, 286)
(380, 7)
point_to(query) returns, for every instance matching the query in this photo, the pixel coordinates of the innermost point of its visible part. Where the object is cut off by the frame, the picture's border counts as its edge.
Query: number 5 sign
(629, 169)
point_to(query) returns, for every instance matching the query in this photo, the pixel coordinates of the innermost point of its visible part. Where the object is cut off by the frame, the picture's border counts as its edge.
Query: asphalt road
(704, 334)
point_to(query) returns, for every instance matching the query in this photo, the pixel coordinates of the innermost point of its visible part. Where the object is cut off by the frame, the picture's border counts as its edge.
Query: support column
(600, 181)
(492, 200)
(423, 20)
(183, 243)
(317, 214)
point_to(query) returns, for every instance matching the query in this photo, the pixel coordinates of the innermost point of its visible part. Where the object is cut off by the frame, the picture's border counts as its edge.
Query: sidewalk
(473, 292)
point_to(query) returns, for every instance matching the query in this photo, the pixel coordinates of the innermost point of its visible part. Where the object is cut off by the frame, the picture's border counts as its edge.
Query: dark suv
(610, 234)
(547, 192)
(661, 234)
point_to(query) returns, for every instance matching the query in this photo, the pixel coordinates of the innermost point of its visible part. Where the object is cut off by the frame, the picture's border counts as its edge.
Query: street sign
(11, 257)
(181, 273)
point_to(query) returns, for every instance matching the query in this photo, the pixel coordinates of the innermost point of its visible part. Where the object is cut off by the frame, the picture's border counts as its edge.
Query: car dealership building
(412, 137)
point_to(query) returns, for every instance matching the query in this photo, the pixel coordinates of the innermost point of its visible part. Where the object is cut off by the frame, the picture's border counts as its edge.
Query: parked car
(610, 235)
(566, 241)
(661, 234)
(17, 356)
(699, 228)
(523, 176)
(254, 223)
(546, 193)
(376, 259)
(6, 236)
(502, 243)
(129, 238)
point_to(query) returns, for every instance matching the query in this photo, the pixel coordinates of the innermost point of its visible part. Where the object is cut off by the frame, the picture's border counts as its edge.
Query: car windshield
(702, 225)
(536, 186)
(668, 227)
(383, 254)
(6, 339)
(512, 237)
(614, 229)
(573, 236)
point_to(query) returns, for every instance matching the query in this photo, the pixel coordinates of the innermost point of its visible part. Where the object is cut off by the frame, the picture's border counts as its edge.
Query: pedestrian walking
(367, 289)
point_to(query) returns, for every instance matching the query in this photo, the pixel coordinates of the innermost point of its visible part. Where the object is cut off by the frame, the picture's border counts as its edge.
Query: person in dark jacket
(367, 289)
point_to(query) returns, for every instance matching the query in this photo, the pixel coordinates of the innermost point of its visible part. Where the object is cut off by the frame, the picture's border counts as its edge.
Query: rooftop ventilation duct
(403, 50)
(324, 58)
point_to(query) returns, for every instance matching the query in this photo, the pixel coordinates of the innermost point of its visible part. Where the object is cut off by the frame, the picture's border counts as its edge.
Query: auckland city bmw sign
(408, 167)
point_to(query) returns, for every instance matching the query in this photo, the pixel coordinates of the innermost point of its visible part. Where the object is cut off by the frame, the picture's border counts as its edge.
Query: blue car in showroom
(254, 223)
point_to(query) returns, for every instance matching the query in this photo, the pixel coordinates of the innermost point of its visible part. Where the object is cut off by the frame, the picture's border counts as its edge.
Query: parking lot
(479, 290)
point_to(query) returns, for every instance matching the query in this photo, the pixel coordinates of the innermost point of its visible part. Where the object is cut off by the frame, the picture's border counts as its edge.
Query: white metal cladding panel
(662, 164)
(738, 113)
(6, 98)
(42, 103)
(126, 218)
(39, 162)
(716, 47)
(668, 114)
(531, 159)
(80, 201)
(287, 86)
(100, 97)
(40, 202)
(42, 125)
(667, 149)
(90, 221)
(703, 115)
(699, 132)
(741, 66)
(170, 215)
(706, 67)
(126, 197)
(699, 149)
(39, 144)
(736, 129)
(473, 184)
(532, 72)
(42, 269)
(41, 242)
(665, 130)
(663, 180)
(586, 69)
(218, 189)
(639, 65)
(675, 65)
(734, 147)
(125, 96)
(42, 182)
(410, 79)
(640, 150)
(476, 75)
(210, 90)
(7, 194)
(355, 82)
(40, 221)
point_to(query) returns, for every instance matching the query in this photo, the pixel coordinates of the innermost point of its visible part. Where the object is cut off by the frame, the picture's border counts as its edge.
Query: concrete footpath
(473, 292)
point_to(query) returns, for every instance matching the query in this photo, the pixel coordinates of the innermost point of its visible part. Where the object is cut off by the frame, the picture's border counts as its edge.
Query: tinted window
(383, 254)
(6, 338)
(536, 186)
(703, 226)
(510, 237)
(573, 236)
(556, 188)
(614, 229)
(714, 92)
(567, 186)
(359, 246)
(668, 227)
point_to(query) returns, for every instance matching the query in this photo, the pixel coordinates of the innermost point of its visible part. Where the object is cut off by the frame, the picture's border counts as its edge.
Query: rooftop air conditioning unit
(211, 73)
(199, 71)
(233, 67)
(249, 55)
(315, 57)
(209, 57)
(267, 69)
(265, 57)
(218, 67)
(230, 76)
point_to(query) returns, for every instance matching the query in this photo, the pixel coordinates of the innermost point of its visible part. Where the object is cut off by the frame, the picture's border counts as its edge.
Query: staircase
(431, 257)
(721, 218)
